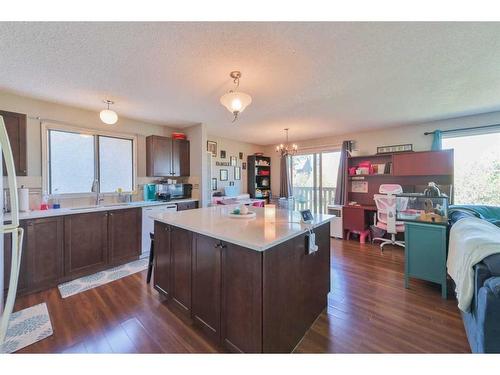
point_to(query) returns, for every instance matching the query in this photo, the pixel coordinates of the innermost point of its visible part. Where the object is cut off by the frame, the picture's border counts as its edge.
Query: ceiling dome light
(107, 115)
(235, 101)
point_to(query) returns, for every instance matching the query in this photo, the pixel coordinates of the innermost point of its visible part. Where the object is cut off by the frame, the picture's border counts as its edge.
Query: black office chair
(151, 257)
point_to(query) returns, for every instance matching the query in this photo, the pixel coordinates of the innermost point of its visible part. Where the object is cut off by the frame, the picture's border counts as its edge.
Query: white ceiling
(315, 78)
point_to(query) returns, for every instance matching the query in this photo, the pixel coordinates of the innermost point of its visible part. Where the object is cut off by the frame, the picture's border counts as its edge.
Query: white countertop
(257, 234)
(81, 210)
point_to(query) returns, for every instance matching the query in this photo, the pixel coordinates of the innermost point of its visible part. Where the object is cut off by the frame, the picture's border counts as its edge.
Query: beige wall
(74, 116)
(366, 142)
(232, 148)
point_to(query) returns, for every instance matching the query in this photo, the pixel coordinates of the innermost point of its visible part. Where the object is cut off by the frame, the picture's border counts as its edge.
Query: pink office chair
(387, 205)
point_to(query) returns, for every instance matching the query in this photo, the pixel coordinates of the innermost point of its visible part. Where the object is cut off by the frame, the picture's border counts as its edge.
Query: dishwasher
(148, 223)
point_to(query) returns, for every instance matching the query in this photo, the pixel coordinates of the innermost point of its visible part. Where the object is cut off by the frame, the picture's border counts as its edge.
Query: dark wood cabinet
(167, 157)
(207, 281)
(45, 252)
(15, 124)
(180, 157)
(172, 276)
(158, 156)
(162, 270)
(85, 243)
(42, 256)
(181, 247)
(181, 206)
(124, 235)
(241, 315)
(23, 282)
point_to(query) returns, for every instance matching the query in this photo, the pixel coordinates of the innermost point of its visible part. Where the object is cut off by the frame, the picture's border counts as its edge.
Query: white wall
(232, 148)
(367, 142)
(198, 165)
(81, 118)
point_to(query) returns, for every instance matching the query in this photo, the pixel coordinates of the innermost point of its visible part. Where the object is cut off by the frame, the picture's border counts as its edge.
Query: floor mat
(82, 284)
(27, 327)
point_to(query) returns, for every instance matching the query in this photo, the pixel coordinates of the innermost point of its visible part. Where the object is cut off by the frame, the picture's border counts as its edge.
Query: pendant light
(108, 116)
(287, 149)
(235, 101)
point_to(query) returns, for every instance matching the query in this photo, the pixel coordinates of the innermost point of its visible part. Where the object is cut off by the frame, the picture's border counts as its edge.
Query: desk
(357, 219)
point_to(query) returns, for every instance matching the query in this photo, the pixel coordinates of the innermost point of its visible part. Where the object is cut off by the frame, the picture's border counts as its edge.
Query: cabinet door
(207, 285)
(162, 250)
(158, 156)
(428, 163)
(241, 315)
(187, 205)
(124, 235)
(45, 241)
(85, 243)
(23, 282)
(15, 124)
(180, 157)
(181, 246)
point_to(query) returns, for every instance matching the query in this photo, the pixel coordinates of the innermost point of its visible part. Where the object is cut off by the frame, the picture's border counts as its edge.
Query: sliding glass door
(314, 180)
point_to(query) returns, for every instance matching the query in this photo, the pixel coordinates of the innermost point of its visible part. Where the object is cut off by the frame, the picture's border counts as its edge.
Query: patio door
(314, 179)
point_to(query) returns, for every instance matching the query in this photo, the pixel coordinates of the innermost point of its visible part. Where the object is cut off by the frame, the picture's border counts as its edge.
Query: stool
(151, 257)
(362, 235)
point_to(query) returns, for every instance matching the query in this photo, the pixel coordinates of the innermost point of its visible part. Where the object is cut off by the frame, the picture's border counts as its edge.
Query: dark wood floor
(369, 312)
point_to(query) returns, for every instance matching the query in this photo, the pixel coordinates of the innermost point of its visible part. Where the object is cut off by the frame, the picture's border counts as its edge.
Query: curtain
(285, 182)
(437, 141)
(340, 191)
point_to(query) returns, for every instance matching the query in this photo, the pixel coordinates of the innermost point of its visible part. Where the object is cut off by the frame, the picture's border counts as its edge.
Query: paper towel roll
(24, 199)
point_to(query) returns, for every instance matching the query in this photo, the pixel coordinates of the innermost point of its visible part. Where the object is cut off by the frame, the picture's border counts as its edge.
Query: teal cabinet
(425, 253)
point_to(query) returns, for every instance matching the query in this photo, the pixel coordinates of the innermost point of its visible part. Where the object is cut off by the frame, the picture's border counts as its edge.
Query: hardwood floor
(369, 311)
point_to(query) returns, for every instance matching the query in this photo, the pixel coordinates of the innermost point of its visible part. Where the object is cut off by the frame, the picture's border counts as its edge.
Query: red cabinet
(426, 163)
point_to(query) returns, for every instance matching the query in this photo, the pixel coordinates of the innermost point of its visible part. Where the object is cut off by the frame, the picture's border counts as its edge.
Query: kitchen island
(251, 285)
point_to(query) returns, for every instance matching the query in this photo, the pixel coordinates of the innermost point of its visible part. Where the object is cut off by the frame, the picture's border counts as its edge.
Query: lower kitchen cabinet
(207, 281)
(85, 243)
(45, 252)
(124, 235)
(181, 206)
(172, 275)
(42, 256)
(162, 264)
(23, 282)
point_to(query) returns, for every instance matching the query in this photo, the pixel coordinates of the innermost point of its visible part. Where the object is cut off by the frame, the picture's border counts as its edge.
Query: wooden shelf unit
(411, 170)
(254, 181)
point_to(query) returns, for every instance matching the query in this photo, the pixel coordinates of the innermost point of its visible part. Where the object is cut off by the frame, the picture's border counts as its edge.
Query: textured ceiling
(315, 78)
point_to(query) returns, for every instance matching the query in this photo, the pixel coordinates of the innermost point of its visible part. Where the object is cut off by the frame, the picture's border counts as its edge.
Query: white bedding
(471, 240)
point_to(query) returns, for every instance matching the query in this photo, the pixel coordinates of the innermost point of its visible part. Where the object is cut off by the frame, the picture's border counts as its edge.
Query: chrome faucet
(95, 189)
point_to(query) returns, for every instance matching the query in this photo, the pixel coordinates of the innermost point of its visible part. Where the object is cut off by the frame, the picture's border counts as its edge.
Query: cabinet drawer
(186, 206)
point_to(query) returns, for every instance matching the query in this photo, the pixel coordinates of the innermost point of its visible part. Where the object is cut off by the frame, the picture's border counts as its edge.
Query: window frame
(95, 133)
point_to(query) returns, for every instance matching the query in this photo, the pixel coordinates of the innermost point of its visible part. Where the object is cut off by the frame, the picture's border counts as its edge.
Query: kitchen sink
(85, 208)
(100, 206)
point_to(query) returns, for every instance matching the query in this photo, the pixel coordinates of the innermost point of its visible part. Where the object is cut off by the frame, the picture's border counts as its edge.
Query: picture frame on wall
(395, 148)
(237, 173)
(241, 155)
(223, 175)
(232, 160)
(212, 148)
(214, 183)
(222, 154)
(244, 165)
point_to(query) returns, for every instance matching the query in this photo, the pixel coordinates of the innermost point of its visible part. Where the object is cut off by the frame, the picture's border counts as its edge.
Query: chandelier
(287, 149)
(235, 101)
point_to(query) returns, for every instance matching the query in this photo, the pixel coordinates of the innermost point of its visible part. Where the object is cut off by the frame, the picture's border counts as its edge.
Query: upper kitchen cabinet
(167, 157)
(15, 123)
(180, 157)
